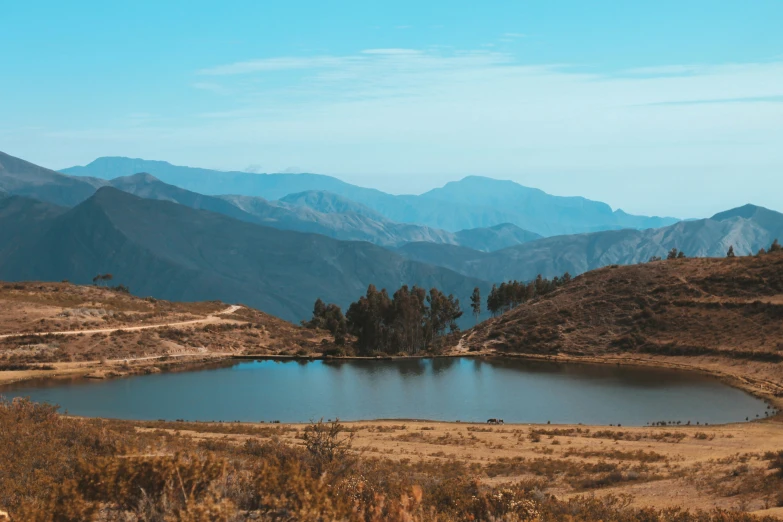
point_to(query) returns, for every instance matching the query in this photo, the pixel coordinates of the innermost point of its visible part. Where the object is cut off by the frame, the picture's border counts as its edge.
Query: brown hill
(711, 313)
(66, 329)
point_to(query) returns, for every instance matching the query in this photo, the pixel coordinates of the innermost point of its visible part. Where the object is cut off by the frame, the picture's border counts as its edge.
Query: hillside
(317, 212)
(724, 309)
(66, 329)
(329, 203)
(22, 178)
(474, 202)
(169, 251)
(748, 229)
(321, 213)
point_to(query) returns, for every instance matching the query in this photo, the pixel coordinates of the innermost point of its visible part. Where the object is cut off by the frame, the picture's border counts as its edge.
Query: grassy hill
(728, 310)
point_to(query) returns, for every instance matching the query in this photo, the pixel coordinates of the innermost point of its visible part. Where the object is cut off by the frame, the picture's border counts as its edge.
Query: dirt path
(215, 318)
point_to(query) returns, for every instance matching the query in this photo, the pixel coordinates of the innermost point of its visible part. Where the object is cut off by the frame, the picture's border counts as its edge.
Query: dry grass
(64, 469)
(722, 315)
(38, 308)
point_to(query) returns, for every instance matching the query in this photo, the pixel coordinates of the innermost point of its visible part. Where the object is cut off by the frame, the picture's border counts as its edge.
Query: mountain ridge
(452, 208)
(170, 251)
(580, 253)
(355, 223)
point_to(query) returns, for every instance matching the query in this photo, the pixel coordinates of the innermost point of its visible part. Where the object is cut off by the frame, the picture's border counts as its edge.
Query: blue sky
(666, 107)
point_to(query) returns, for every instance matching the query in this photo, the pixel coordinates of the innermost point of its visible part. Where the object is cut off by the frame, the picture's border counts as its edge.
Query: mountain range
(171, 251)
(281, 254)
(310, 211)
(474, 202)
(747, 229)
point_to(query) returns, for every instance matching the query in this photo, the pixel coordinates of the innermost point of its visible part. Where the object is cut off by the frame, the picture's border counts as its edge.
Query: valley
(200, 295)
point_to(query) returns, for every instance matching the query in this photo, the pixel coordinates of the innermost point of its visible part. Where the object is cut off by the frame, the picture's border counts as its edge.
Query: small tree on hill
(673, 253)
(102, 278)
(475, 303)
(762, 251)
(730, 253)
(775, 247)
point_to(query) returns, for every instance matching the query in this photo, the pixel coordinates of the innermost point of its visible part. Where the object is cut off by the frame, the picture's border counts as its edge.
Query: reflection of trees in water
(637, 377)
(634, 376)
(444, 364)
(405, 367)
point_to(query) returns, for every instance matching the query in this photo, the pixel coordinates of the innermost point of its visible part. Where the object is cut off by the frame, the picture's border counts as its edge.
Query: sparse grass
(64, 469)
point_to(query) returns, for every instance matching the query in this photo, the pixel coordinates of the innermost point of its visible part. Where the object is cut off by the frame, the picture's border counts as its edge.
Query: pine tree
(730, 253)
(475, 303)
(493, 305)
(672, 254)
(775, 247)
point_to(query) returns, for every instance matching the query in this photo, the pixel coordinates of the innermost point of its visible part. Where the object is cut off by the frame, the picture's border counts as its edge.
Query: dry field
(698, 467)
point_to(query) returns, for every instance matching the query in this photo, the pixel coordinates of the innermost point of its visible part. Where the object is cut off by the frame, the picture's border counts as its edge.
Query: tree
(672, 254)
(102, 278)
(475, 303)
(493, 304)
(681, 255)
(328, 317)
(730, 253)
(762, 251)
(653, 259)
(776, 247)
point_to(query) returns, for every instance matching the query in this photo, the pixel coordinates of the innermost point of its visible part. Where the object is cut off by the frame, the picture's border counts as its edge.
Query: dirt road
(215, 318)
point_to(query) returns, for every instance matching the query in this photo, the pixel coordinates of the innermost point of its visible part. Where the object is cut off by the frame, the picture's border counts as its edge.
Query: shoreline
(768, 391)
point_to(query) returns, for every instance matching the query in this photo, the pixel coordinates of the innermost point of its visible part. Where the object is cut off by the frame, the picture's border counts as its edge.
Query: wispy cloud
(749, 99)
(404, 52)
(436, 110)
(211, 87)
(272, 64)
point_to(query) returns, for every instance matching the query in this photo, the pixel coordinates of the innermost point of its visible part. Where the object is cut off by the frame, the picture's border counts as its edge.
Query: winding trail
(210, 319)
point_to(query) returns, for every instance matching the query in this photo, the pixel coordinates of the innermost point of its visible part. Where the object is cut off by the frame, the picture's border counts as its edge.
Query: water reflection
(468, 389)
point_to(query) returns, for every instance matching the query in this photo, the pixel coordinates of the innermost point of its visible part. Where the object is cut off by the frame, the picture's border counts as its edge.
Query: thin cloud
(749, 99)
(272, 64)
(393, 51)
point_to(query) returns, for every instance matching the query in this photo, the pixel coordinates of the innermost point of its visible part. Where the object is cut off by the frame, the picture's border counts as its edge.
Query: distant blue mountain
(474, 202)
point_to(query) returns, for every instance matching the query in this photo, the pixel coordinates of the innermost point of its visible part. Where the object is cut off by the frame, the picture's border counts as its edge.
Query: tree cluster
(410, 321)
(676, 254)
(511, 294)
(328, 317)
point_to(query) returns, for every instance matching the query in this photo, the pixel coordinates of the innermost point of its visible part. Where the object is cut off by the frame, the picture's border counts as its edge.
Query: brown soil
(59, 329)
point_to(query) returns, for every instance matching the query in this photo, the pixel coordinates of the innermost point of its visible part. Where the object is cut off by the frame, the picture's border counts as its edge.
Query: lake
(446, 389)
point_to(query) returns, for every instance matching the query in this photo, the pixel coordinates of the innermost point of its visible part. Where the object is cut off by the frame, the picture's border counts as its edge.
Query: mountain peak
(745, 211)
(329, 202)
(141, 177)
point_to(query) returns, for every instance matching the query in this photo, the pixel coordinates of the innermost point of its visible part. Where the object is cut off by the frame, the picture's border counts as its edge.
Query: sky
(662, 108)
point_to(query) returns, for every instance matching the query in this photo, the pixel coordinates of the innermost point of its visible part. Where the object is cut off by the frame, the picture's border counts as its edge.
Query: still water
(470, 390)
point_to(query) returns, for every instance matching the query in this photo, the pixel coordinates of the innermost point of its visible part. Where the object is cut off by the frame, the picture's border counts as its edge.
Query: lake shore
(761, 380)
(703, 467)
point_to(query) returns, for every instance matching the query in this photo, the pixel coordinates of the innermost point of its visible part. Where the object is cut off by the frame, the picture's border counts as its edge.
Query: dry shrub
(56, 469)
